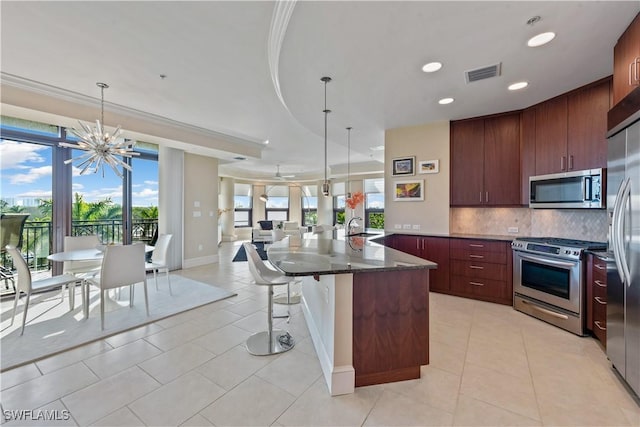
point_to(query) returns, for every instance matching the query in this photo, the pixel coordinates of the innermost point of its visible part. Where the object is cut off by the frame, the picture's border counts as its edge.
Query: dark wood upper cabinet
(570, 130)
(587, 126)
(527, 151)
(551, 136)
(502, 160)
(467, 162)
(485, 161)
(626, 61)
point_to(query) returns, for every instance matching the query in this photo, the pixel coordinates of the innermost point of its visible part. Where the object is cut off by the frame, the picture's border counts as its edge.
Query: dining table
(93, 254)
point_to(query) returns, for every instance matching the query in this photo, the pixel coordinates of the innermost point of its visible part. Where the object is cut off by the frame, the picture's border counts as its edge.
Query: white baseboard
(196, 262)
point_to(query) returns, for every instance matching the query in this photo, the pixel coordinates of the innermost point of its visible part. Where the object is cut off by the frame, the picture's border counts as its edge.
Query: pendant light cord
(349, 161)
(326, 111)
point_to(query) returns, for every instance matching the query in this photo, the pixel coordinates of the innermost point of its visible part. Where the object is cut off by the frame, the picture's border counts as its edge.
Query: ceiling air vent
(482, 73)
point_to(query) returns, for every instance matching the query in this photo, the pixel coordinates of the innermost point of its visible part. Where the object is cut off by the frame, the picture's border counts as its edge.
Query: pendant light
(349, 162)
(100, 147)
(325, 184)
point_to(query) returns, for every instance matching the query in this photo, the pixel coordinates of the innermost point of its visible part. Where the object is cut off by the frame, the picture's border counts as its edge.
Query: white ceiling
(215, 56)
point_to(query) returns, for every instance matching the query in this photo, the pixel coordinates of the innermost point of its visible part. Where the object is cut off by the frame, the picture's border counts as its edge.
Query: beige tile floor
(489, 366)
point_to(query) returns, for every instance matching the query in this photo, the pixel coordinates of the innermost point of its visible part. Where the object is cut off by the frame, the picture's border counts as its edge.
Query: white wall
(170, 201)
(425, 142)
(200, 210)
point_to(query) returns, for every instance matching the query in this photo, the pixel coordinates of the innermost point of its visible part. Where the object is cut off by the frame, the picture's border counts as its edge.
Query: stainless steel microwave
(576, 189)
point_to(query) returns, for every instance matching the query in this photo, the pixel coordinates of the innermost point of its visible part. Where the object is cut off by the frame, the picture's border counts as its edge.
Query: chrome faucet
(351, 227)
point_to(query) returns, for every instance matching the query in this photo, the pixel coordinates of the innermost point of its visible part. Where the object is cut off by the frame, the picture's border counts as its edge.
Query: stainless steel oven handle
(547, 261)
(545, 311)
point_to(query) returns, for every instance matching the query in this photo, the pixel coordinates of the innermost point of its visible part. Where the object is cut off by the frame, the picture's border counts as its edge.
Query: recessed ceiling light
(377, 148)
(445, 101)
(431, 67)
(266, 141)
(541, 39)
(518, 85)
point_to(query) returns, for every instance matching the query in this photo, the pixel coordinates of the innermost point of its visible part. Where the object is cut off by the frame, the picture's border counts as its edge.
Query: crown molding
(54, 92)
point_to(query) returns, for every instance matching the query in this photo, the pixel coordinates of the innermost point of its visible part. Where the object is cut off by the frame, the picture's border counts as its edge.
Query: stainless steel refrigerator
(623, 272)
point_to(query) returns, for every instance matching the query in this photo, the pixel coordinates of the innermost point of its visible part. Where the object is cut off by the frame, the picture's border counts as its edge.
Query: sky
(26, 175)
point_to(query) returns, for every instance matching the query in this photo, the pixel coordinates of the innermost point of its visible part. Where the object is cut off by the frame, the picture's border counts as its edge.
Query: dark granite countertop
(317, 256)
(501, 238)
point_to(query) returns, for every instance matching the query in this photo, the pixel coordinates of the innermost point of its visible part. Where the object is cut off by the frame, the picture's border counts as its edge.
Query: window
(374, 203)
(309, 205)
(35, 178)
(242, 206)
(339, 204)
(277, 207)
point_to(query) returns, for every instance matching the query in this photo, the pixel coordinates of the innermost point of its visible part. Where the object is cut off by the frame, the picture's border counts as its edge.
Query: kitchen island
(366, 306)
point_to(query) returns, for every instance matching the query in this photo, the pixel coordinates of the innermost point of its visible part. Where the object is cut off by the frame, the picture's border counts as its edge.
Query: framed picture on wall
(403, 166)
(429, 166)
(408, 191)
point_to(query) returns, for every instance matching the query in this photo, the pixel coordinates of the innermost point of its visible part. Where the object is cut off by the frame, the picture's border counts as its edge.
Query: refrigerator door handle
(615, 229)
(626, 196)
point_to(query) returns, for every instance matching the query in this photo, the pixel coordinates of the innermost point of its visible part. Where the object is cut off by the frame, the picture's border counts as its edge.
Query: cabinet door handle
(600, 267)
(476, 256)
(571, 162)
(636, 74)
(599, 300)
(562, 159)
(632, 67)
(476, 283)
(600, 284)
(486, 196)
(417, 244)
(475, 245)
(481, 197)
(597, 323)
(476, 267)
(423, 244)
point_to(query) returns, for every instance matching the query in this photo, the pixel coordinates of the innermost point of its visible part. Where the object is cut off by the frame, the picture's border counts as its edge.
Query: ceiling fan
(278, 175)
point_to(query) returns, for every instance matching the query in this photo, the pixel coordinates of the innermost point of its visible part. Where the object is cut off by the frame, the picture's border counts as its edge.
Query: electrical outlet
(512, 229)
(416, 226)
(397, 226)
(406, 226)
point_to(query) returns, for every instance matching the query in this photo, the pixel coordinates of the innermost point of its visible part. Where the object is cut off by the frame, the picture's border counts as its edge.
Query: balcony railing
(37, 238)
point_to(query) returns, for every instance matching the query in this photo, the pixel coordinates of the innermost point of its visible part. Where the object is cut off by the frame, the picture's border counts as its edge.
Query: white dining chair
(81, 268)
(122, 265)
(28, 286)
(271, 341)
(159, 259)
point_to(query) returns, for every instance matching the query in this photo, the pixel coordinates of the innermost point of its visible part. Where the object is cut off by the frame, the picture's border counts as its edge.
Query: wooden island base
(390, 325)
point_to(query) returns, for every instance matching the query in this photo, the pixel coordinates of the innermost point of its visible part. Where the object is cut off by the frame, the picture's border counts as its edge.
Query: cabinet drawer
(599, 269)
(479, 287)
(479, 245)
(600, 320)
(479, 255)
(485, 270)
(599, 289)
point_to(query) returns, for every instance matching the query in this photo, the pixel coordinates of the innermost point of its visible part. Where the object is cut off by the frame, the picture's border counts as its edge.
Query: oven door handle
(545, 311)
(547, 261)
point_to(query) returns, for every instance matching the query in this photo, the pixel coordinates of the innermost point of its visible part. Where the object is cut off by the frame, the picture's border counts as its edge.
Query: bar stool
(271, 341)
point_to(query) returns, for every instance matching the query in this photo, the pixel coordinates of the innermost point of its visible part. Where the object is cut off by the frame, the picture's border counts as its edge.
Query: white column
(171, 202)
(226, 197)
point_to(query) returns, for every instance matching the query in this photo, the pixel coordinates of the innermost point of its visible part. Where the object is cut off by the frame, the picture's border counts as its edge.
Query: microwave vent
(483, 73)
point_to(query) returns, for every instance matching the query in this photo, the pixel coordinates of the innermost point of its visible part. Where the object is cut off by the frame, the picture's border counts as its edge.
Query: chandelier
(101, 147)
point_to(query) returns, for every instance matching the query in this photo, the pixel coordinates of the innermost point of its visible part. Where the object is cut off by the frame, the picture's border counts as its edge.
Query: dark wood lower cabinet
(597, 297)
(390, 325)
(471, 268)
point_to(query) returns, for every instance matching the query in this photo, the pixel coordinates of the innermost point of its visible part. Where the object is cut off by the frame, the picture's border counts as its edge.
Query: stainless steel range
(549, 277)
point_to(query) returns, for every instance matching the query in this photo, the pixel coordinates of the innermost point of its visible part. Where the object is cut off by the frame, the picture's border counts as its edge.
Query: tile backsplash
(584, 224)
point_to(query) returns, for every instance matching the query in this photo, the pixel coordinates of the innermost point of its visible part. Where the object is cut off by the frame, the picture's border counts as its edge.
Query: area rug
(241, 255)
(52, 328)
